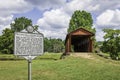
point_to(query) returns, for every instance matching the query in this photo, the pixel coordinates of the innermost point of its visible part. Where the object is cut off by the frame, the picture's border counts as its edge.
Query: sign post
(28, 45)
(29, 69)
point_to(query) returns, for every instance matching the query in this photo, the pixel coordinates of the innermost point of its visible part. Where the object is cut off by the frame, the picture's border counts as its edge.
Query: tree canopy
(7, 37)
(53, 45)
(20, 24)
(111, 42)
(81, 19)
(6, 41)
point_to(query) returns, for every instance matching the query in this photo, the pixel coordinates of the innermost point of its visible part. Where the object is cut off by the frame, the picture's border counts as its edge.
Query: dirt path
(83, 55)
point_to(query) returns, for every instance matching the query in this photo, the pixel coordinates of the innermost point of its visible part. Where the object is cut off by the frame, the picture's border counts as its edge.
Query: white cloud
(57, 19)
(80, 5)
(2, 27)
(99, 35)
(109, 19)
(6, 20)
(105, 5)
(46, 4)
(10, 7)
(57, 13)
(54, 23)
(53, 34)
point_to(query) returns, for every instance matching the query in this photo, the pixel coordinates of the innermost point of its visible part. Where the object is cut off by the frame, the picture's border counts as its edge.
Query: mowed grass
(50, 67)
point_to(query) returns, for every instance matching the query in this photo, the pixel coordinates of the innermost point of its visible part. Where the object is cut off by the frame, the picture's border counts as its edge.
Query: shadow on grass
(16, 59)
(107, 57)
(48, 59)
(10, 59)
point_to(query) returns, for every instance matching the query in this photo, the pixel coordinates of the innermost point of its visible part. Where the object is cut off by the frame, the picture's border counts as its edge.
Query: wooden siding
(82, 38)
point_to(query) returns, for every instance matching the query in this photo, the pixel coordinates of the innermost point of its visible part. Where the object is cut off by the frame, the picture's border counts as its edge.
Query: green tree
(47, 45)
(6, 41)
(7, 37)
(111, 42)
(58, 45)
(53, 45)
(20, 24)
(81, 19)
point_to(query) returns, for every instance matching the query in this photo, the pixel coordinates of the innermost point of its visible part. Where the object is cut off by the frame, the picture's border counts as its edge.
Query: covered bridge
(79, 41)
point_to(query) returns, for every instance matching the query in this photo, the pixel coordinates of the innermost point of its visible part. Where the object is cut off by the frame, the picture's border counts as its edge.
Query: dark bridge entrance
(78, 41)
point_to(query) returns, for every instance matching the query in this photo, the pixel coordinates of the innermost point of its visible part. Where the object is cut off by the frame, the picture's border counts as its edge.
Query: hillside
(50, 67)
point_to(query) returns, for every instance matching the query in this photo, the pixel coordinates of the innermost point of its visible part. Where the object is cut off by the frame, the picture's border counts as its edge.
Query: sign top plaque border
(30, 33)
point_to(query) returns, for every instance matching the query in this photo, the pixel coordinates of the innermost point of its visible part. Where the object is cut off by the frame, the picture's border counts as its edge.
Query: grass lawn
(50, 67)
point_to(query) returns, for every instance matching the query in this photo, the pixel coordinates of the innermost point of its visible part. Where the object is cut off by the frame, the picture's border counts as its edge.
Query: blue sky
(53, 16)
(33, 14)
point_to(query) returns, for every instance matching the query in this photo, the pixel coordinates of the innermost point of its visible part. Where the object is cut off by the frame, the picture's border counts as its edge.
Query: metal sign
(28, 44)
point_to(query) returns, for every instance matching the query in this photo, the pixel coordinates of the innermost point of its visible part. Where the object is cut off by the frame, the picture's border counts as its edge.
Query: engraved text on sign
(28, 44)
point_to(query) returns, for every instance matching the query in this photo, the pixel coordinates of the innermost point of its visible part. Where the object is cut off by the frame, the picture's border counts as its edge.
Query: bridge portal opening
(79, 41)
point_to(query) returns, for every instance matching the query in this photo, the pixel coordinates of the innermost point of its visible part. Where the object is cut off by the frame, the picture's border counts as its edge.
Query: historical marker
(28, 45)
